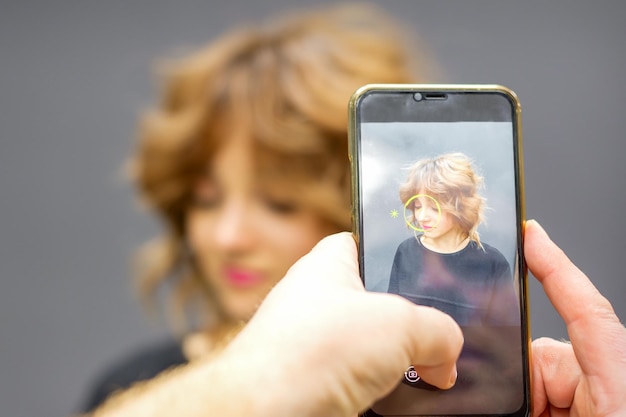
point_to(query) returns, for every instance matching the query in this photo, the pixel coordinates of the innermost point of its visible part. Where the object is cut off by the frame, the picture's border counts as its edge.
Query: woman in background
(245, 160)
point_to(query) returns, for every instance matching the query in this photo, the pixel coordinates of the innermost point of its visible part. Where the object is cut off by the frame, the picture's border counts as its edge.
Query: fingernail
(537, 225)
(533, 221)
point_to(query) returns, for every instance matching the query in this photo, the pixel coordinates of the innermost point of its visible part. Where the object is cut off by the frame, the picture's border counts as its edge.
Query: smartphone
(438, 212)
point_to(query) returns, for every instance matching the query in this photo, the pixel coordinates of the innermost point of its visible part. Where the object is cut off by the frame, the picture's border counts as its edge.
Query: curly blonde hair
(289, 80)
(452, 180)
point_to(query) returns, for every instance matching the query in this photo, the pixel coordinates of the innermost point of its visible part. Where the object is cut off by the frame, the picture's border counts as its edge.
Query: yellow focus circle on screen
(411, 225)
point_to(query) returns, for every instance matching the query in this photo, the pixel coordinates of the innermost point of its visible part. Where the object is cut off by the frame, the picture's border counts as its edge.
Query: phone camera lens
(418, 97)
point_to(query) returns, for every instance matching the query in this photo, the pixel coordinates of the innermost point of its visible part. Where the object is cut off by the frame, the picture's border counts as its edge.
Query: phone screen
(438, 211)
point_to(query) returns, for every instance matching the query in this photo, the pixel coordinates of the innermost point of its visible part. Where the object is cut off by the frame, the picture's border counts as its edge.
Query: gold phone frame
(353, 147)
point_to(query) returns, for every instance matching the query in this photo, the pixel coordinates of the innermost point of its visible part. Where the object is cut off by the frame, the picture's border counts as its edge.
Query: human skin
(441, 232)
(244, 240)
(321, 345)
(586, 377)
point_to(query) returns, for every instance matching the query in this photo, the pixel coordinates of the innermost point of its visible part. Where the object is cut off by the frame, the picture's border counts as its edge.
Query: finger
(435, 342)
(566, 286)
(556, 374)
(575, 298)
(598, 338)
(432, 339)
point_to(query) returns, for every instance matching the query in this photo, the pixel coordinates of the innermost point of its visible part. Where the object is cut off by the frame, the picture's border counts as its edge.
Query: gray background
(74, 74)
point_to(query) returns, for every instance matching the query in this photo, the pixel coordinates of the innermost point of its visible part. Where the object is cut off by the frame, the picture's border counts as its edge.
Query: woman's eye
(280, 206)
(206, 197)
(205, 202)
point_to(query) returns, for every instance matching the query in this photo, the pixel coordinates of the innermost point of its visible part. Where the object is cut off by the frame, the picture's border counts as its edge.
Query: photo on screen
(439, 228)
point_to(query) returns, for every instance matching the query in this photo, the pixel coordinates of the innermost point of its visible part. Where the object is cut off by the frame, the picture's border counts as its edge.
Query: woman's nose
(422, 214)
(232, 231)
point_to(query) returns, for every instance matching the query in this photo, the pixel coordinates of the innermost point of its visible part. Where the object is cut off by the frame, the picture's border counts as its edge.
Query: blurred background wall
(74, 75)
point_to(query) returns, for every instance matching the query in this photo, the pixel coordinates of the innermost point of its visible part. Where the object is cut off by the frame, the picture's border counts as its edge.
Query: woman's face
(436, 224)
(244, 240)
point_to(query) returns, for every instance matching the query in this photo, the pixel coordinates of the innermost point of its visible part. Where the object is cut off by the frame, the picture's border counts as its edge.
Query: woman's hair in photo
(288, 81)
(452, 180)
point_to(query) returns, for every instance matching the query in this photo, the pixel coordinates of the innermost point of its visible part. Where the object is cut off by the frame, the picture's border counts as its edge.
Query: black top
(139, 366)
(473, 285)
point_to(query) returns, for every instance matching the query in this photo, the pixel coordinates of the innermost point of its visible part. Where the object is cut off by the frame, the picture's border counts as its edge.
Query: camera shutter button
(411, 375)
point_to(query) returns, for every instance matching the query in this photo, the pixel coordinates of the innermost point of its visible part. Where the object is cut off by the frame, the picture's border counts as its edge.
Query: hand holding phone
(438, 211)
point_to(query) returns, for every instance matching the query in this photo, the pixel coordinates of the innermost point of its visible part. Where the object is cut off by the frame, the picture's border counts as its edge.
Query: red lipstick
(242, 278)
